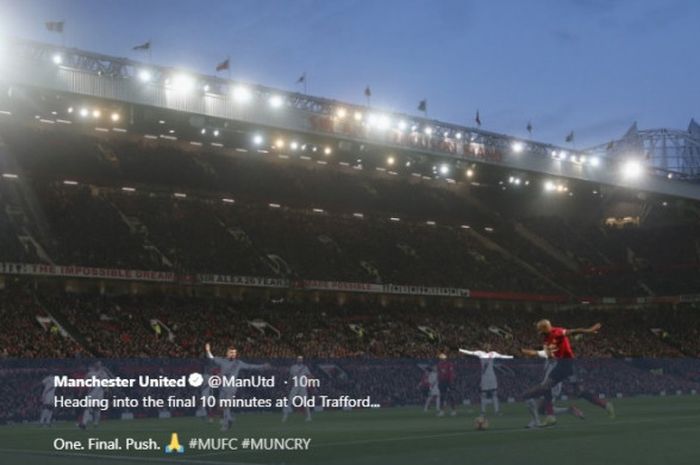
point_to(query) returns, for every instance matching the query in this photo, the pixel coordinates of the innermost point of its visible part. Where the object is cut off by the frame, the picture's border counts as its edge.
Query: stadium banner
(402, 289)
(245, 281)
(220, 279)
(89, 272)
(72, 271)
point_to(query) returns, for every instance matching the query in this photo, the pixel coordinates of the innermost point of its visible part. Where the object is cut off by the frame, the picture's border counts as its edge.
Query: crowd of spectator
(157, 325)
(314, 235)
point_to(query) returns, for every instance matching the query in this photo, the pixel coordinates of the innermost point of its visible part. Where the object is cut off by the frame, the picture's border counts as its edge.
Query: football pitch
(651, 431)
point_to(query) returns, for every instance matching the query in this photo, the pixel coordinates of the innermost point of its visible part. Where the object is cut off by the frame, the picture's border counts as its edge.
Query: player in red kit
(446, 379)
(556, 342)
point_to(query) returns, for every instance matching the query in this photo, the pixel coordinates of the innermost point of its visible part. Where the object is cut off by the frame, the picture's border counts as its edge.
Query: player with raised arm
(488, 385)
(48, 396)
(556, 341)
(230, 366)
(299, 374)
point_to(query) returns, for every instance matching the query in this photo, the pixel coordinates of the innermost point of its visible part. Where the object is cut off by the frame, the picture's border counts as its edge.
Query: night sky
(592, 66)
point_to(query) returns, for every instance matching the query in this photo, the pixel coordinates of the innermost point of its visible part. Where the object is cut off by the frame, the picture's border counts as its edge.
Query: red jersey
(562, 347)
(446, 371)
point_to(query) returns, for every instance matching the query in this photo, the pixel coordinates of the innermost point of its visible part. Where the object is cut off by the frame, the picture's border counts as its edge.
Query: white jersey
(48, 393)
(231, 368)
(299, 370)
(488, 374)
(433, 385)
(297, 374)
(97, 392)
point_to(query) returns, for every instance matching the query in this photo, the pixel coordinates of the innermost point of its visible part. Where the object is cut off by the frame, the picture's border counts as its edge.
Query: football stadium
(199, 269)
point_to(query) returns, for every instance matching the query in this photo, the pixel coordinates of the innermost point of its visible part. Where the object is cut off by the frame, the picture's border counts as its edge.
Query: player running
(48, 396)
(488, 386)
(299, 373)
(556, 341)
(549, 364)
(230, 366)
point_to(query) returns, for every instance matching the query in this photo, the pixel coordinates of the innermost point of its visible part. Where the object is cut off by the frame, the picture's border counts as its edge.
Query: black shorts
(562, 371)
(445, 387)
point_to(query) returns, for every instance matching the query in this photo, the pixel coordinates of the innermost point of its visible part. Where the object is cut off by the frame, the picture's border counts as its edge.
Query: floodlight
(242, 94)
(632, 169)
(276, 101)
(182, 83)
(145, 75)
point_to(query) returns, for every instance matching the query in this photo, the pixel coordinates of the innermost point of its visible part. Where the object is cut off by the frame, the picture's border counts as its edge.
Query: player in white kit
(93, 414)
(48, 396)
(430, 381)
(489, 384)
(299, 374)
(230, 366)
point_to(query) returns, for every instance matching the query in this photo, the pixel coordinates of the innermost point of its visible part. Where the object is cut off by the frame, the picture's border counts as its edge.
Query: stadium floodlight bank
(72, 71)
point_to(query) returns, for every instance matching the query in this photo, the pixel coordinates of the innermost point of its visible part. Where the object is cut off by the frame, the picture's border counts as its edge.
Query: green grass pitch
(647, 431)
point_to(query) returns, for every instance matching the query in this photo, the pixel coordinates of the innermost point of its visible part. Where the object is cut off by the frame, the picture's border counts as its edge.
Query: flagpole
(228, 69)
(306, 81)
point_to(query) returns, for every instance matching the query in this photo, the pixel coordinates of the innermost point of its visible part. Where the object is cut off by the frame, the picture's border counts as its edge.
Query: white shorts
(48, 399)
(489, 383)
(298, 391)
(227, 392)
(435, 391)
(97, 393)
